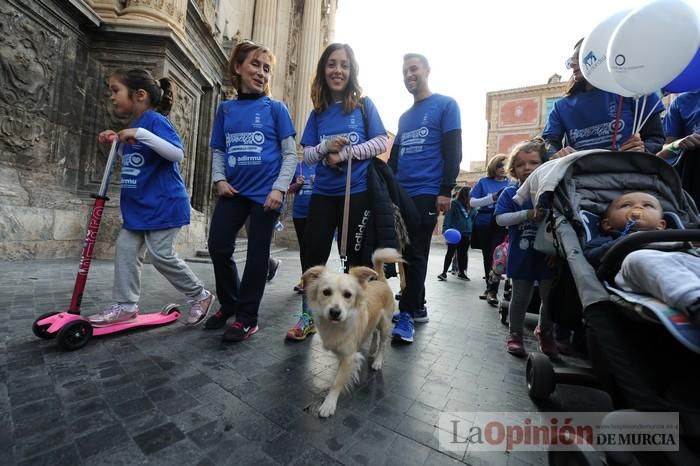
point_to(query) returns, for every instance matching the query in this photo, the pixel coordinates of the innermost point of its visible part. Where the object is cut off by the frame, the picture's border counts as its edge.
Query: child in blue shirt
(302, 189)
(154, 201)
(525, 265)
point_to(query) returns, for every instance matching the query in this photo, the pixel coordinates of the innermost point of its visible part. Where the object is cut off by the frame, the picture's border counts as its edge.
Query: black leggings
(325, 216)
(299, 228)
(461, 249)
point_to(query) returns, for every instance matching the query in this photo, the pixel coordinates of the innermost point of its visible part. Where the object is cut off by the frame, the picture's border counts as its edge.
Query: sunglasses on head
(571, 61)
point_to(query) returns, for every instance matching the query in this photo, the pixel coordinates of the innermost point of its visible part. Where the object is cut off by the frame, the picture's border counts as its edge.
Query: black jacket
(384, 193)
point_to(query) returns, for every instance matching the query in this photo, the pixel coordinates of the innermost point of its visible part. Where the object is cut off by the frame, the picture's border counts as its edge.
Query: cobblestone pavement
(176, 395)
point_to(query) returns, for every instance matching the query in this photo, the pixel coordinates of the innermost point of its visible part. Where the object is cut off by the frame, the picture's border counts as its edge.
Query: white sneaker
(199, 308)
(115, 313)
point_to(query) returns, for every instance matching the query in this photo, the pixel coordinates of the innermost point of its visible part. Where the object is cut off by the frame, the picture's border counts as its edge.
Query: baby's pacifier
(635, 214)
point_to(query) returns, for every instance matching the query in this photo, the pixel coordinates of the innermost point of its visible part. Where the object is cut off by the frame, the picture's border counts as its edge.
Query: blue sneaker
(420, 317)
(404, 330)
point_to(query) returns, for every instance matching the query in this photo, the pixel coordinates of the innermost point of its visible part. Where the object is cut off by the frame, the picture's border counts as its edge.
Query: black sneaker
(216, 321)
(464, 277)
(442, 277)
(239, 332)
(272, 267)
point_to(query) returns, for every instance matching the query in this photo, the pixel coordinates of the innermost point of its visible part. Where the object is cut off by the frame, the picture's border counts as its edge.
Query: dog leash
(346, 214)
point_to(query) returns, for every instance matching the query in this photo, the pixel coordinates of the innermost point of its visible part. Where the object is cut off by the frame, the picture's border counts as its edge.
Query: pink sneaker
(546, 343)
(514, 345)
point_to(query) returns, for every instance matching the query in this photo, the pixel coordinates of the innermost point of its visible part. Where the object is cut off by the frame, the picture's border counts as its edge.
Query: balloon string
(617, 123)
(649, 115)
(636, 108)
(641, 115)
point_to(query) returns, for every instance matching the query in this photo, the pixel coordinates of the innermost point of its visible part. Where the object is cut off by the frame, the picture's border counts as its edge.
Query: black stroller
(634, 358)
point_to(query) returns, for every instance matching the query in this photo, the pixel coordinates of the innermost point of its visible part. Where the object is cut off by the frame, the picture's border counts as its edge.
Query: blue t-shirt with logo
(300, 209)
(249, 132)
(484, 187)
(587, 119)
(524, 261)
(683, 116)
(421, 127)
(335, 122)
(153, 195)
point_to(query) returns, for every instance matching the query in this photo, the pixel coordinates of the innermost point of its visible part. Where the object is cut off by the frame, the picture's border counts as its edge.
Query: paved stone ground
(175, 395)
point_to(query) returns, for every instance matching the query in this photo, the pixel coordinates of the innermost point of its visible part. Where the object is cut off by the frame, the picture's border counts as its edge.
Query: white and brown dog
(347, 308)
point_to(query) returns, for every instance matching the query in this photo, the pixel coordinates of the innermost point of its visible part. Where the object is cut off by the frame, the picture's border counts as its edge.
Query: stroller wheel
(539, 374)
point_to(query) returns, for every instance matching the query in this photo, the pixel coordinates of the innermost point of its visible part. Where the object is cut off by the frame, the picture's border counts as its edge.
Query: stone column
(265, 22)
(309, 47)
(167, 12)
(330, 21)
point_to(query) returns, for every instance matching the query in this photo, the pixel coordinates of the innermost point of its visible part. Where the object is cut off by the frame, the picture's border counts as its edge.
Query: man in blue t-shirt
(425, 157)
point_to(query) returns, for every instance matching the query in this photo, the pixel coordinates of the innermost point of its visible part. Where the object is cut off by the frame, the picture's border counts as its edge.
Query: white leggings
(672, 277)
(520, 301)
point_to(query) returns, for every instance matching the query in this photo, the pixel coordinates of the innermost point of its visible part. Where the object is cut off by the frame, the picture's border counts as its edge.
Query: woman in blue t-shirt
(343, 124)
(487, 234)
(154, 202)
(525, 265)
(585, 119)
(253, 160)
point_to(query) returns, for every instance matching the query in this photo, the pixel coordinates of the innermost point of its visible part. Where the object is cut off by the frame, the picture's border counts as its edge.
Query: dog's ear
(363, 274)
(312, 275)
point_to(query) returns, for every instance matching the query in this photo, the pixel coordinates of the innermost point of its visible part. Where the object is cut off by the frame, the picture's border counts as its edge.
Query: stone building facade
(514, 115)
(55, 58)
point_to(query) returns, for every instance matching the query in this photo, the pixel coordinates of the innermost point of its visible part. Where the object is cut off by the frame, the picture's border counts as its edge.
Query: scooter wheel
(75, 335)
(41, 330)
(169, 309)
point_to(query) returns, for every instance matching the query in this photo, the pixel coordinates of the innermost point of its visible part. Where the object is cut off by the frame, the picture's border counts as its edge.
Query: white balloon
(593, 59)
(653, 44)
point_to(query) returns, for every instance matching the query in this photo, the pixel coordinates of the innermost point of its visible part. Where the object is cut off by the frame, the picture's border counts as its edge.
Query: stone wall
(55, 59)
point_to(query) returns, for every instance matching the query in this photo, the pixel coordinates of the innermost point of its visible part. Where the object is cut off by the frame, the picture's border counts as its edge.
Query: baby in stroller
(598, 198)
(671, 276)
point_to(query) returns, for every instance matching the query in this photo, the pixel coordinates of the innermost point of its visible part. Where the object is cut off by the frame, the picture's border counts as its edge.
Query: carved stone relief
(27, 74)
(181, 117)
(209, 12)
(169, 8)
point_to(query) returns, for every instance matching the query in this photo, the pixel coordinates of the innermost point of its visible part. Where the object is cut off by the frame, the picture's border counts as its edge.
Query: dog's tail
(385, 256)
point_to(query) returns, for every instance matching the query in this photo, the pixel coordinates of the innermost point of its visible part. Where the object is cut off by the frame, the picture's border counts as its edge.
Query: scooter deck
(142, 320)
(57, 321)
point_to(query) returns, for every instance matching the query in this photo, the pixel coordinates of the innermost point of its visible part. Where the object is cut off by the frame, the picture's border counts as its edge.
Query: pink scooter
(70, 329)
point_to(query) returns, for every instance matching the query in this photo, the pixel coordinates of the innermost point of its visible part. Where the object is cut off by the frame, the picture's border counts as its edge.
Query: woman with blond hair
(487, 234)
(253, 162)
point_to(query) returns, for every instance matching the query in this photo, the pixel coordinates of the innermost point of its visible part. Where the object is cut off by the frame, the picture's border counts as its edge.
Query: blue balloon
(452, 236)
(688, 80)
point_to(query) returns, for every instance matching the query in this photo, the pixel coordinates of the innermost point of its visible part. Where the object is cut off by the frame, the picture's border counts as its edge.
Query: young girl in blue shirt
(343, 124)
(253, 161)
(525, 265)
(154, 202)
